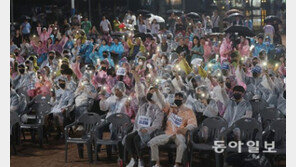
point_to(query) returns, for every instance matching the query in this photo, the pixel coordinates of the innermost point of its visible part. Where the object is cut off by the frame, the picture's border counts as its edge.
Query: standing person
(237, 21)
(17, 39)
(154, 27)
(45, 34)
(269, 31)
(215, 20)
(116, 24)
(86, 25)
(26, 29)
(171, 22)
(180, 120)
(196, 50)
(249, 23)
(142, 26)
(105, 26)
(208, 25)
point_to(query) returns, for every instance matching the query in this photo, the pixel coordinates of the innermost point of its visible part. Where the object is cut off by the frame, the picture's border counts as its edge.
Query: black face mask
(105, 56)
(104, 68)
(254, 63)
(64, 66)
(178, 102)
(237, 96)
(228, 85)
(120, 77)
(50, 57)
(22, 71)
(28, 67)
(62, 85)
(149, 96)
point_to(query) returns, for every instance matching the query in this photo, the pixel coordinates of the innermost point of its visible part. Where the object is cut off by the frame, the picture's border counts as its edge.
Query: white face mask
(140, 63)
(162, 61)
(85, 82)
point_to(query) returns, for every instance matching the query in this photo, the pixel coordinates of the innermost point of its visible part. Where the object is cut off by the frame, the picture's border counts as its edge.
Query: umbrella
(229, 12)
(159, 19)
(241, 30)
(149, 35)
(141, 35)
(272, 18)
(234, 15)
(193, 15)
(176, 11)
(24, 17)
(143, 12)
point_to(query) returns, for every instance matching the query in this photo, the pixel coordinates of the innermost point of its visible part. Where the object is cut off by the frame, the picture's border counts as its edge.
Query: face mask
(22, 71)
(228, 85)
(85, 82)
(62, 85)
(51, 57)
(237, 96)
(120, 78)
(140, 63)
(254, 63)
(162, 61)
(105, 56)
(149, 96)
(178, 102)
(104, 68)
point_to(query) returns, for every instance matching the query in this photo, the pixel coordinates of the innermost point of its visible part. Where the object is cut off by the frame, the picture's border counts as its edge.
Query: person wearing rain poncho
(50, 62)
(99, 51)
(83, 95)
(17, 102)
(115, 103)
(148, 119)
(62, 101)
(180, 120)
(23, 79)
(236, 107)
(254, 84)
(203, 106)
(116, 50)
(259, 46)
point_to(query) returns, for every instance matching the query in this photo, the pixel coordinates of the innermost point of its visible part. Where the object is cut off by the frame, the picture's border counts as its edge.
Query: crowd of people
(182, 73)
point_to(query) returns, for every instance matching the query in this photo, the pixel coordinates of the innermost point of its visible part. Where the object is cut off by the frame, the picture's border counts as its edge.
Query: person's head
(181, 42)
(21, 69)
(39, 43)
(256, 71)
(260, 39)
(150, 93)
(202, 41)
(104, 18)
(224, 69)
(17, 32)
(51, 55)
(262, 55)
(208, 18)
(138, 41)
(28, 64)
(44, 29)
(173, 14)
(62, 83)
(179, 98)
(215, 13)
(154, 21)
(237, 18)
(255, 61)
(119, 89)
(238, 92)
(116, 41)
(163, 40)
(65, 21)
(164, 59)
(199, 25)
(85, 19)
(49, 41)
(196, 41)
(104, 42)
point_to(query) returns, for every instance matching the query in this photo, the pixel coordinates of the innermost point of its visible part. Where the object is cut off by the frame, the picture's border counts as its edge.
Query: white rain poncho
(114, 104)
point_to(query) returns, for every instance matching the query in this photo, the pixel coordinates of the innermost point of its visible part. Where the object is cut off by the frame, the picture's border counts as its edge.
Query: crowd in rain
(179, 70)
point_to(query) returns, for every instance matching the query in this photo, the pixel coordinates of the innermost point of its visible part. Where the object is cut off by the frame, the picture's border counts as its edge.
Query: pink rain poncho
(225, 49)
(43, 36)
